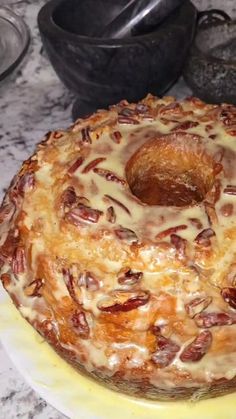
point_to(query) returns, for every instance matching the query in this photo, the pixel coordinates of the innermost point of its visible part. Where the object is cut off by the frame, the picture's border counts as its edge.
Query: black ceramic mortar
(102, 71)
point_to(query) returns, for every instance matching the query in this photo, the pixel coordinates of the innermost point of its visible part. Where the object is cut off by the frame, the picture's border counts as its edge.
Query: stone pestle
(139, 17)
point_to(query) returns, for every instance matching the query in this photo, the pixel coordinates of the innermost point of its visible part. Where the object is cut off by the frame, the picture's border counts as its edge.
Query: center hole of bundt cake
(170, 171)
(164, 190)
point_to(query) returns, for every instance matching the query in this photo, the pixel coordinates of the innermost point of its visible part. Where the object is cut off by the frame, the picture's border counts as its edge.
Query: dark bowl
(210, 70)
(103, 71)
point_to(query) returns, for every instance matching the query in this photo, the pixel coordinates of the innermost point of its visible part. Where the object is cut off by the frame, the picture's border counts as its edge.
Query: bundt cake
(118, 242)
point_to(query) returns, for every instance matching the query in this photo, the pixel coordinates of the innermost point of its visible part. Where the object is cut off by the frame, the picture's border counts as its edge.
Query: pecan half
(231, 132)
(18, 263)
(83, 213)
(57, 134)
(211, 213)
(231, 275)
(111, 215)
(183, 126)
(8, 248)
(20, 185)
(203, 238)
(173, 108)
(6, 280)
(196, 223)
(118, 203)
(123, 301)
(71, 285)
(130, 277)
(230, 190)
(34, 288)
(214, 319)
(229, 295)
(116, 137)
(227, 210)
(156, 330)
(179, 243)
(109, 175)
(166, 352)
(197, 305)
(126, 234)
(85, 135)
(141, 108)
(68, 197)
(6, 212)
(127, 120)
(80, 323)
(126, 112)
(93, 164)
(170, 231)
(227, 115)
(218, 167)
(88, 280)
(75, 165)
(26, 182)
(198, 348)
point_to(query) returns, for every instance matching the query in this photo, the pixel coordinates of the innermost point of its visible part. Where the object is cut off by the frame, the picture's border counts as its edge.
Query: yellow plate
(79, 397)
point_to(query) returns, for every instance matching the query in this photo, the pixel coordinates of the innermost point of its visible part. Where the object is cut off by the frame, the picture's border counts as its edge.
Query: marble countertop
(33, 101)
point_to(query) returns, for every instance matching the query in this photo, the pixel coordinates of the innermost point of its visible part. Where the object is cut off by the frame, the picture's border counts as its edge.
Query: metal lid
(14, 41)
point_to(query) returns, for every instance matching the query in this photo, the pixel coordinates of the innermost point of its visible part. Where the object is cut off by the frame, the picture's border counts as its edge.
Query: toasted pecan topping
(196, 223)
(68, 197)
(93, 164)
(130, 277)
(126, 234)
(109, 175)
(116, 137)
(211, 213)
(71, 285)
(123, 301)
(88, 280)
(203, 238)
(117, 202)
(6, 212)
(166, 352)
(198, 348)
(80, 323)
(78, 162)
(179, 243)
(215, 319)
(134, 254)
(85, 135)
(227, 210)
(34, 288)
(229, 295)
(230, 190)
(170, 231)
(197, 305)
(83, 213)
(18, 261)
(111, 215)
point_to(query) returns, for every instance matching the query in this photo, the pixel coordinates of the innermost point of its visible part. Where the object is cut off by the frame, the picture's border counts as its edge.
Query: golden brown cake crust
(117, 243)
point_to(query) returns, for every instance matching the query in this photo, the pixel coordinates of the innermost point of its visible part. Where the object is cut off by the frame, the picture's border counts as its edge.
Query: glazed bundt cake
(118, 242)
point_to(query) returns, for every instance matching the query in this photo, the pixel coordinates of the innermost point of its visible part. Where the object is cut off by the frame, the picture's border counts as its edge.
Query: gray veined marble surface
(32, 102)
